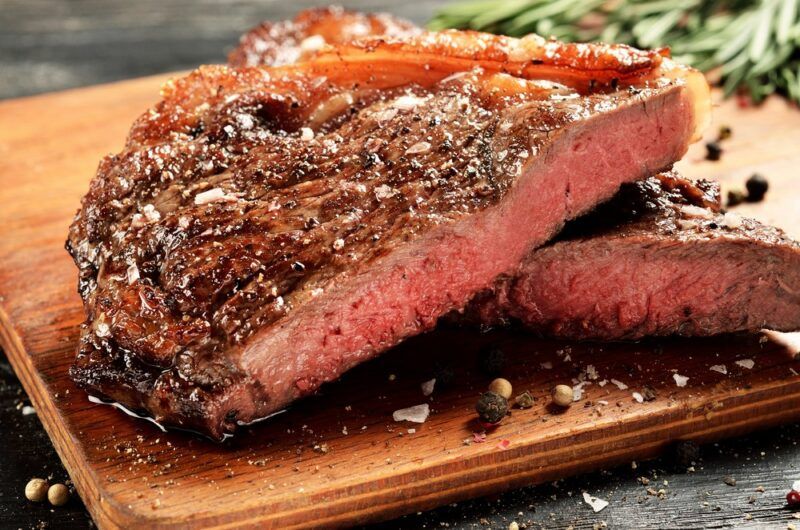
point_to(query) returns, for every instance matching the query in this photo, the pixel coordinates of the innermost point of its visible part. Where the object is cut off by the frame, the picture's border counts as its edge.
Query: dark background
(48, 45)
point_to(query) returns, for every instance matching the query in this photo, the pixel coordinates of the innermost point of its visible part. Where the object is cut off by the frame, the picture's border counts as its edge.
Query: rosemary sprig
(753, 45)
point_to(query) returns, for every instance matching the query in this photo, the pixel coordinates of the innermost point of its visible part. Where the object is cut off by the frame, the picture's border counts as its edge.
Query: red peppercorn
(793, 498)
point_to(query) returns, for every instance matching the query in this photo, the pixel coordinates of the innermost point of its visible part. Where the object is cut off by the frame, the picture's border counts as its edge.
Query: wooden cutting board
(338, 459)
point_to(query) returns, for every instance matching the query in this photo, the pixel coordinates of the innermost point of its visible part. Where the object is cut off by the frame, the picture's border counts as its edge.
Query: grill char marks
(659, 259)
(265, 229)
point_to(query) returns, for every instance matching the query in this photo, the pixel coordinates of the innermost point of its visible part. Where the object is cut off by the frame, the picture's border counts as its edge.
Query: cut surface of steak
(265, 229)
(288, 41)
(658, 259)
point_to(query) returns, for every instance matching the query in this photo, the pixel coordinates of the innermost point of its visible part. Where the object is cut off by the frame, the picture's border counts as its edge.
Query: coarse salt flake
(27, 410)
(383, 191)
(416, 414)
(306, 134)
(312, 43)
(690, 210)
(418, 148)
(213, 195)
(338, 244)
(596, 504)
(427, 387)
(680, 380)
(619, 384)
(732, 220)
(746, 363)
(638, 397)
(132, 273)
(719, 368)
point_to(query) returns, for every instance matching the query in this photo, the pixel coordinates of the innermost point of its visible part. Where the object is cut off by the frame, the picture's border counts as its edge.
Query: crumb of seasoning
(524, 400)
(719, 368)
(649, 393)
(757, 187)
(680, 380)
(36, 490)
(501, 386)
(725, 132)
(597, 504)
(735, 198)
(563, 395)
(491, 407)
(503, 445)
(479, 437)
(713, 151)
(729, 480)
(427, 387)
(746, 363)
(415, 414)
(58, 495)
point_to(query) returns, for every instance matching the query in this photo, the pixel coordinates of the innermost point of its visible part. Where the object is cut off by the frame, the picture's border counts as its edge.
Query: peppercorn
(491, 407)
(524, 400)
(58, 495)
(36, 490)
(735, 197)
(686, 453)
(491, 361)
(725, 132)
(757, 187)
(793, 498)
(501, 386)
(713, 151)
(562, 395)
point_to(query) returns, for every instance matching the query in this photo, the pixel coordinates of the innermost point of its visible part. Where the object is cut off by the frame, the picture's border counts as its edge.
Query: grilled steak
(658, 259)
(286, 42)
(265, 229)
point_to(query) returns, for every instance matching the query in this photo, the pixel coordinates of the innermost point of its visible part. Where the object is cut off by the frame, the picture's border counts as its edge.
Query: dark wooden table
(48, 45)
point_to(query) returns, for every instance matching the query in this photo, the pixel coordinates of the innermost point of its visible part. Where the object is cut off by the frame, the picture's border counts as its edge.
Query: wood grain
(338, 459)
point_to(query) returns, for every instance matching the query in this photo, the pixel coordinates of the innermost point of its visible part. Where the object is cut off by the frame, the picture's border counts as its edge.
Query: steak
(658, 259)
(265, 229)
(286, 42)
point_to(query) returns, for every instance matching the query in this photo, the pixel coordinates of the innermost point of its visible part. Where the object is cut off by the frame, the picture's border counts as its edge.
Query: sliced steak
(288, 41)
(266, 229)
(658, 259)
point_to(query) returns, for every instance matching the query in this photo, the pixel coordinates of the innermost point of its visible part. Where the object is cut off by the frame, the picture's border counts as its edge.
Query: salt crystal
(407, 102)
(338, 244)
(383, 191)
(680, 380)
(132, 273)
(577, 391)
(306, 134)
(427, 387)
(591, 372)
(416, 414)
(312, 44)
(419, 147)
(27, 410)
(695, 211)
(732, 220)
(746, 363)
(101, 329)
(638, 397)
(619, 384)
(411, 431)
(719, 368)
(213, 195)
(596, 504)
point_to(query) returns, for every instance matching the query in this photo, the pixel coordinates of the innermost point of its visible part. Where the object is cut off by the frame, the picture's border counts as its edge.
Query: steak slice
(266, 229)
(658, 259)
(288, 41)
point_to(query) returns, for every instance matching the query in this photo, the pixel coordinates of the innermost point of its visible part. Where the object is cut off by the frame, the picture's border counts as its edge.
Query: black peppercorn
(491, 361)
(725, 132)
(686, 453)
(713, 151)
(735, 197)
(757, 187)
(491, 407)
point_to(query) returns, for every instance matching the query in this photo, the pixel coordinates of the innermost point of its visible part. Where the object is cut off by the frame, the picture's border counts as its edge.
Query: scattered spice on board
(501, 386)
(680, 380)
(735, 198)
(491, 407)
(524, 400)
(713, 151)
(563, 395)
(597, 504)
(757, 187)
(36, 490)
(416, 414)
(729, 480)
